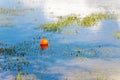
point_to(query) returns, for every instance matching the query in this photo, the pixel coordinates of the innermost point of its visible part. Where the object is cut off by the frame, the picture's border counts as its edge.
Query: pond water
(74, 52)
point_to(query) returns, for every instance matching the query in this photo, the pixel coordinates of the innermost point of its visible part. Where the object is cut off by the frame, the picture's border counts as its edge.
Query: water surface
(74, 53)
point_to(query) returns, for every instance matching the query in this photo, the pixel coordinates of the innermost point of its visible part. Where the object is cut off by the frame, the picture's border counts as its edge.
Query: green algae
(96, 78)
(5, 22)
(103, 78)
(8, 12)
(93, 19)
(18, 76)
(5, 19)
(12, 12)
(24, 76)
(64, 21)
(13, 56)
(117, 35)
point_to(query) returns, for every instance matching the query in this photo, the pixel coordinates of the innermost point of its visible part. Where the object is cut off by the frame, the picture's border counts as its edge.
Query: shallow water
(74, 53)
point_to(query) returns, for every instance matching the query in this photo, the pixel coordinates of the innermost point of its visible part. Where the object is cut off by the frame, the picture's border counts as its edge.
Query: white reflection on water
(90, 68)
(53, 8)
(67, 7)
(83, 7)
(32, 3)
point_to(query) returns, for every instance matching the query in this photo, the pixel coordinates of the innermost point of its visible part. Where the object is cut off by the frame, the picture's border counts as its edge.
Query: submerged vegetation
(103, 78)
(13, 56)
(5, 19)
(117, 35)
(7, 12)
(62, 22)
(18, 76)
(22, 59)
(87, 21)
(24, 76)
(94, 78)
(17, 58)
(93, 19)
(12, 12)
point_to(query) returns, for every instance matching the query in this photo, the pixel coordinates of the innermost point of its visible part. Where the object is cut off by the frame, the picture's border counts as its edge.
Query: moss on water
(18, 76)
(8, 11)
(5, 22)
(117, 35)
(93, 19)
(103, 78)
(24, 76)
(13, 12)
(13, 55)
(5, 19)
(96, 78)
(62, 22)
(87, 21)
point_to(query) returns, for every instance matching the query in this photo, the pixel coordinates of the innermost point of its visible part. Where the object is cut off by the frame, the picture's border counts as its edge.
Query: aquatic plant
(24, 76)
(1, 50)
(5, 22)
(16, 57)
(8, 11)
(18, 76)
(93, 19)
(13, 55)
(62, 22)
(78, 51)
(117, 35)
(103, 78)
(13, 12)
(89, 20)
(97, 78)
(5, 19)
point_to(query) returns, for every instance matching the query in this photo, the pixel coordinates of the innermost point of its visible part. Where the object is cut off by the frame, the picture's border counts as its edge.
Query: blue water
(82, 42)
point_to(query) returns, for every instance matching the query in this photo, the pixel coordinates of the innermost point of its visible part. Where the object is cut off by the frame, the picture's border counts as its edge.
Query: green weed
(87, 21)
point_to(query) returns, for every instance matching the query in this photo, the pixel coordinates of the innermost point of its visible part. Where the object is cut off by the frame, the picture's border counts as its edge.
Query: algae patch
(117, 35)
(13, 12)
(25, 76)
(93, 19)
(64, 21)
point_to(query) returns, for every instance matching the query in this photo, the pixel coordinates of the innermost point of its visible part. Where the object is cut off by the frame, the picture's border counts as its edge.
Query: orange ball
(44, 43)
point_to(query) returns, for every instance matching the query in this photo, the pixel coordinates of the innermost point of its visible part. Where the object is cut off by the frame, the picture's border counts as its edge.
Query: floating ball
(44, 43)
